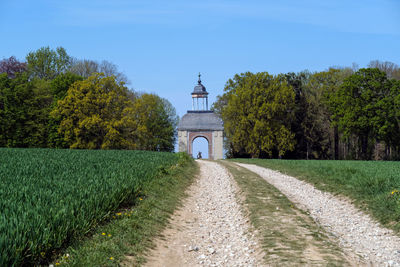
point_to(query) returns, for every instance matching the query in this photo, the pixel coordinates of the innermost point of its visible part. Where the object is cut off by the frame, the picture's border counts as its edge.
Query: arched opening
(200, 143)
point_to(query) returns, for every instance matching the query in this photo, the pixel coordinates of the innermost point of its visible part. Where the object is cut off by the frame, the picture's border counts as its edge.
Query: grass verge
(289, 236)
(373, 185)
(130, 231)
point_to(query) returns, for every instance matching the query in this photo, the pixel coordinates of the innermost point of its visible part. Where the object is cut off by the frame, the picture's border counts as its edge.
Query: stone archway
(204, 124)
(214, 138)
(201, 123)
(205, 135)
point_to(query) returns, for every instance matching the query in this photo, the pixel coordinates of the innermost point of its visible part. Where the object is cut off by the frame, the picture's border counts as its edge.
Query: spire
(199, 81)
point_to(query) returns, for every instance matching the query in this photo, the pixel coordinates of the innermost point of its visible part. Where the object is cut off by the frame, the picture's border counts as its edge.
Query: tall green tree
(358, 107)
(395, 92)
(297, 82)
(258, 114)
(59, 88)
(61, 84)
(321, 135)
(5, 98)
(46, 63)
(96, 114)
(24, 109)
(387, 121)
(156, 120)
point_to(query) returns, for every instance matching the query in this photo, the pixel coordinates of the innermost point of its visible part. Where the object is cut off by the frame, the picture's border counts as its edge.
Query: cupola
(199, 97)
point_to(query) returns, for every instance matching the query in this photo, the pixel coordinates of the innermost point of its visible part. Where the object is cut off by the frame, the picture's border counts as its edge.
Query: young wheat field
(49, 197)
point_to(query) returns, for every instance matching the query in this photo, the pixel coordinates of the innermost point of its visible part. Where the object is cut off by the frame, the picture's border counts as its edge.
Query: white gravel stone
(224, 226)
(354, 229)
(214, 230)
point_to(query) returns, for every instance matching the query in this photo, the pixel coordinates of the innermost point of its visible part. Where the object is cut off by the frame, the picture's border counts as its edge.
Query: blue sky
(162, 45)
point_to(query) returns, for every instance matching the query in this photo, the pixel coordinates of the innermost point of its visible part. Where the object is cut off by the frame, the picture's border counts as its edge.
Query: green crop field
(373, 185)
(49, 197)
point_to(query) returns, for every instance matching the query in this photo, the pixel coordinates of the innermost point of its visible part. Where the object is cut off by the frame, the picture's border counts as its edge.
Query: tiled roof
(200, 121)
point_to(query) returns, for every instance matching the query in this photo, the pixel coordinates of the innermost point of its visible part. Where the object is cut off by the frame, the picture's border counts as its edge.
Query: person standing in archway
(199, 155)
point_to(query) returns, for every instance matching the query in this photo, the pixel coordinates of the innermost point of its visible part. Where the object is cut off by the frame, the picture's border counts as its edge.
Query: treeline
(341, 113)
(53, 100)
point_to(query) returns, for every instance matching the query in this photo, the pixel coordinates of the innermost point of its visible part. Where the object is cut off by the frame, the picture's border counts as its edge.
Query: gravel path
(355, 230)
(210, 229)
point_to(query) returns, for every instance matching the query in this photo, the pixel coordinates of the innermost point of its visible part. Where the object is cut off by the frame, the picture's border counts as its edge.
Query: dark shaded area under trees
(340, 113)
(53, 100)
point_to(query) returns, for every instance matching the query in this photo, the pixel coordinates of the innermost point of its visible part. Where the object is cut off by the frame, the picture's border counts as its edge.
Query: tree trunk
(336, 142)
(364, 147)
(307, 150)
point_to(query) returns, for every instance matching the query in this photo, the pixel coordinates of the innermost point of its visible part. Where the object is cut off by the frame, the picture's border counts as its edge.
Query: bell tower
(201, 122)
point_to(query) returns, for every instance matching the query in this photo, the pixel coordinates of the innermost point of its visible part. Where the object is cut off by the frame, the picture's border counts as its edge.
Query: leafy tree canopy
(46, 63)
(95, 114)
(12, 66)
(62, 82)
(258, 113)
(24, 109)
(363, 106)
(156, 120)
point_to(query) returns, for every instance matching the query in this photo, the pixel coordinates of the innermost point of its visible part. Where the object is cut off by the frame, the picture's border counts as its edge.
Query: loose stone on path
(354, 229)
(210, 229)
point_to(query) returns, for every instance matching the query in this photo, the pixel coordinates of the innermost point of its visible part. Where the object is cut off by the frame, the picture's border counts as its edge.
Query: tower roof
(200, 120)
(199, 89)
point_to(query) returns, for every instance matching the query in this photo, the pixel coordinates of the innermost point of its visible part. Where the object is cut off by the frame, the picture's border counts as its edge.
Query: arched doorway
(200, 143)
(205, 135)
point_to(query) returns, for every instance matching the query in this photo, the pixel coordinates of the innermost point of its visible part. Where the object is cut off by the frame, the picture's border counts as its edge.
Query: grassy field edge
(130, 232)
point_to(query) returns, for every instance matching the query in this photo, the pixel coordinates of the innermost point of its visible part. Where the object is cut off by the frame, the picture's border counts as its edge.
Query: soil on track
(355, 231)
(210, 229)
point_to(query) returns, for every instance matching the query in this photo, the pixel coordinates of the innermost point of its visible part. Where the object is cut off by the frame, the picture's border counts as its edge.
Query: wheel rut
(210, 229)
(355, 231)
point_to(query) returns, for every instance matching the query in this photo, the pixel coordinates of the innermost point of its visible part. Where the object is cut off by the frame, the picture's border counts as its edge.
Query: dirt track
(356, 231)
(210, 229)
